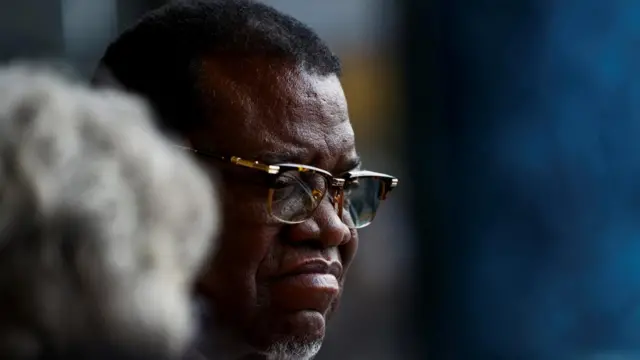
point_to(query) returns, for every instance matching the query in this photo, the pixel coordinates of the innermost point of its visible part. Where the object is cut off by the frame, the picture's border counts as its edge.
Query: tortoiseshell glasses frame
(296, 191)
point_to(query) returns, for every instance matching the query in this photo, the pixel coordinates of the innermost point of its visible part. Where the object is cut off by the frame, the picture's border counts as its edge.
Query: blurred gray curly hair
(103, 224)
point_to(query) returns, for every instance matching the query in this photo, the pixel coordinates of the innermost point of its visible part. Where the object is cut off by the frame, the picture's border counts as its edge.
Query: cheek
(245, 205)
(246, 238)
(239, 256)
(231, 279)
(245, 241)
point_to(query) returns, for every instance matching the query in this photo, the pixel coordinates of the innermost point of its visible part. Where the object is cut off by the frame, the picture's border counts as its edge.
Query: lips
(307, 285)
(314, 266)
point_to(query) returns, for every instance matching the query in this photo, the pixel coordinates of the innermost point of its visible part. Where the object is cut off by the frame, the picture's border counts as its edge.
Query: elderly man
(256, 95)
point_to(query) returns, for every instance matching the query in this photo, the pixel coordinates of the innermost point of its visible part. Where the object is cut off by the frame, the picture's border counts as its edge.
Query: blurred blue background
(533, 170)
(514, 127)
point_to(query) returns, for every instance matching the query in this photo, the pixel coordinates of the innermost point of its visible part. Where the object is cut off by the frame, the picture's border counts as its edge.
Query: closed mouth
(320, 267)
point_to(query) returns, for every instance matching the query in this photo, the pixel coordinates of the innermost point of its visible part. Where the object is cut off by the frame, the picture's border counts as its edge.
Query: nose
(324, 226)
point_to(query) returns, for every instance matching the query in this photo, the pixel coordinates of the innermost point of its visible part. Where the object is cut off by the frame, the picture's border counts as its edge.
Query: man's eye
(284, 181)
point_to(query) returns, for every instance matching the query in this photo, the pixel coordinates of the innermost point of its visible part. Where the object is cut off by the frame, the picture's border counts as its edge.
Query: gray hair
(294, 350)
(103, 224)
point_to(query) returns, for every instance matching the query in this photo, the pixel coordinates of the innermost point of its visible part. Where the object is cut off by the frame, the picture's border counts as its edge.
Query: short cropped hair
(159, 57)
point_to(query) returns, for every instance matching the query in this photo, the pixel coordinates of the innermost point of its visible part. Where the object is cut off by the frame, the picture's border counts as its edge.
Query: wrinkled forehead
(262, 109)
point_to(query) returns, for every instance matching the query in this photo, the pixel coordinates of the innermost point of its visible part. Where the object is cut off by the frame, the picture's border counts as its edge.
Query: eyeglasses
(296, 191)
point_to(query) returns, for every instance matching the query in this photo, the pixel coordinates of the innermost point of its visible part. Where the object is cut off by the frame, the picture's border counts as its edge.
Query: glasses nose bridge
(337, 183)
(337, 194)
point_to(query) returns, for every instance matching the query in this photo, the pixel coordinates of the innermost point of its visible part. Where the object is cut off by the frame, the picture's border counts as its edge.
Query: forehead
(272, 111)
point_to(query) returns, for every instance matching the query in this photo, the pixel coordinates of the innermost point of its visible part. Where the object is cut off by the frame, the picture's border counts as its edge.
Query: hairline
(285, 66)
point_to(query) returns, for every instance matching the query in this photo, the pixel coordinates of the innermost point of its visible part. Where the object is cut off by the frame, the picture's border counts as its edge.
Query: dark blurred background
(514, 128)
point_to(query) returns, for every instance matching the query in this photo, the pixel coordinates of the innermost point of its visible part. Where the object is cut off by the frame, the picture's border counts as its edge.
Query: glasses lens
(296, 195)
(361, 200)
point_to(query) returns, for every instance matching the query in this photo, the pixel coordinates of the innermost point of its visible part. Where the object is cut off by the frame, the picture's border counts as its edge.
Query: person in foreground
(104, 224)
(256, 95)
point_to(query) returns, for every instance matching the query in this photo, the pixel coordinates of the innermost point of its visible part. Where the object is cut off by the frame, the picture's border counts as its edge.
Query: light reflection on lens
(296, 195)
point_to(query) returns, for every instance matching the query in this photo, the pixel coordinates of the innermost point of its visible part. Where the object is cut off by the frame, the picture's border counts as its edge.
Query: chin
(293, 349)
(293, 335)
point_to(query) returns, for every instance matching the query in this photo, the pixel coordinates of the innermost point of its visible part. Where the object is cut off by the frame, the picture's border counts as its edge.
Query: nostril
(302, 236)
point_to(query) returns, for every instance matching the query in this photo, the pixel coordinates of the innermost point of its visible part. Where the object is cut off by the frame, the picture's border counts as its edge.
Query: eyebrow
(273, 158)
(343, 167)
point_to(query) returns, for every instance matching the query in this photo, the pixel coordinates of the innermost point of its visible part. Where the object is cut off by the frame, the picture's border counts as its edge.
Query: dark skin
(274, 112)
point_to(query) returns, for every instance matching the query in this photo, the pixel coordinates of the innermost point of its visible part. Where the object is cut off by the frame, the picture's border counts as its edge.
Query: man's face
(276, 114)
